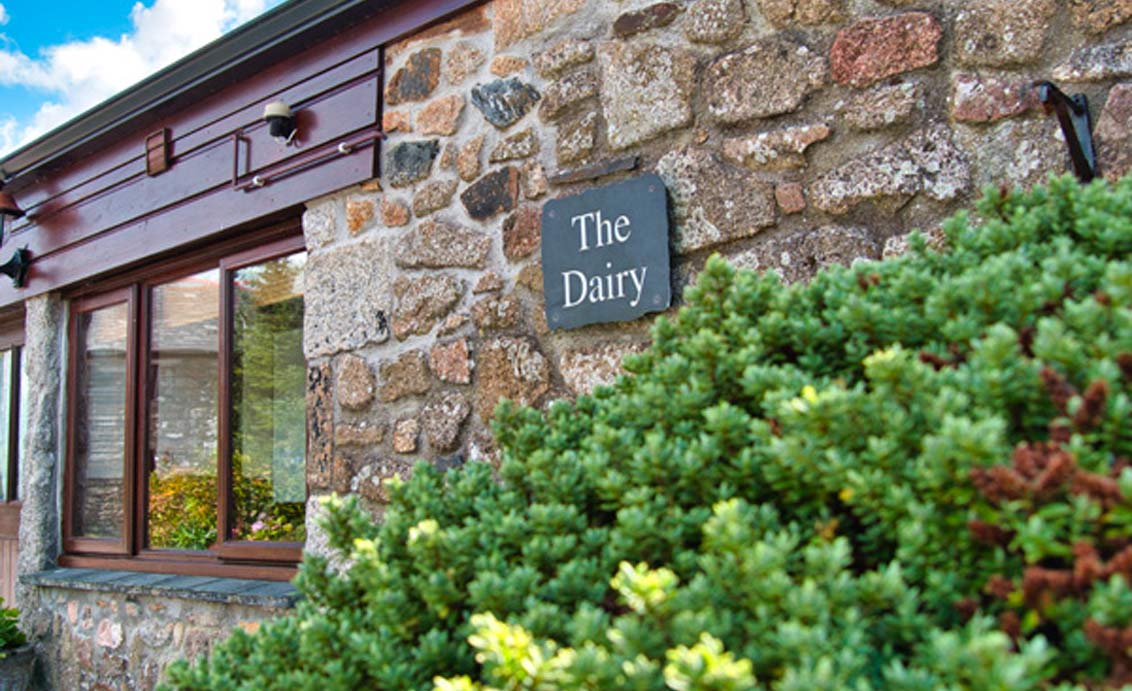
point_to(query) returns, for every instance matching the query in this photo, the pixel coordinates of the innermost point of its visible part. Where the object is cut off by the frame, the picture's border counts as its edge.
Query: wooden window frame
(12, 338)
(90, 545)
(227, 557)
(15, 369)
(226, 547)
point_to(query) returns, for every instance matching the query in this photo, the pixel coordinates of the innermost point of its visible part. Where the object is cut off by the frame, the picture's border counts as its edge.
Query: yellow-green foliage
(182, 511)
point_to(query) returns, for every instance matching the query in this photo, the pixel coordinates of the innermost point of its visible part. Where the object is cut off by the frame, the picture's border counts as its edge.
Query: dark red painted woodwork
(198, 125)
(126, 193)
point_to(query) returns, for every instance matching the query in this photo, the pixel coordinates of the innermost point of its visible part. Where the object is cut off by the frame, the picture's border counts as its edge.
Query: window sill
(231, 591)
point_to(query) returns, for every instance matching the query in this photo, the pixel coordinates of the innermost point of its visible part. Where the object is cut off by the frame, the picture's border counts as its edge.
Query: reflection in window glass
(183, 388)
(5, 414)
(268, 402)
(100, 439)
(23, 417)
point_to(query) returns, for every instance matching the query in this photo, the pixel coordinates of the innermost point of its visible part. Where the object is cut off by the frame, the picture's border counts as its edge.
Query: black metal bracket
(17, 267)
(1076, 125)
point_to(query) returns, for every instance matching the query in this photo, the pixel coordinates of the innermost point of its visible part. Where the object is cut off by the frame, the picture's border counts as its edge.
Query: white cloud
(3, 15)
(9, 131)
(76, 76)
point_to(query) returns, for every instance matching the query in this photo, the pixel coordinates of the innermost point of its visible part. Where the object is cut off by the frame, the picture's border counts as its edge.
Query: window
(13, 407)
(186, 420)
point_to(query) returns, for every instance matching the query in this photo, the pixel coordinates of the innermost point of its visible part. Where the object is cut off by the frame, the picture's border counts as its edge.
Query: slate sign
(605, 254)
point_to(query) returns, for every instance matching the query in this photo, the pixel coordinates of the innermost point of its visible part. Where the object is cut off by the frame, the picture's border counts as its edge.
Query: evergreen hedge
(909, 474)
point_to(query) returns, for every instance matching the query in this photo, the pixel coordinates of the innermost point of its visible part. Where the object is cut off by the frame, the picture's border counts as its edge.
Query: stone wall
(39, 475)
(114, 639)
(790, 134)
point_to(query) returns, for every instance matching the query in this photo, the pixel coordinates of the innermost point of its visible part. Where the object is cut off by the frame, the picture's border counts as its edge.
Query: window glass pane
(100, 439)
(183, 389)
(268, 402)
(21, 444)
(5, 397)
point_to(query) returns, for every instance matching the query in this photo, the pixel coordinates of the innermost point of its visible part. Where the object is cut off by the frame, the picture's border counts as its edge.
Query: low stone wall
(790, 134)
(121, 635)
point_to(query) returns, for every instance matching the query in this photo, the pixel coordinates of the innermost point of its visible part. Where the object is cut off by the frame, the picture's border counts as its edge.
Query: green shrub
(10, 634)
(909, 474)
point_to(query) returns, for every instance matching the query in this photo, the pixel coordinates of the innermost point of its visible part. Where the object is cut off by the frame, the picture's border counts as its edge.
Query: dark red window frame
(228, 557)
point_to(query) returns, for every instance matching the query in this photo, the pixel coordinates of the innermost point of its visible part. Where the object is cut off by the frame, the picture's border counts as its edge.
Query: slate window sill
(231, 591)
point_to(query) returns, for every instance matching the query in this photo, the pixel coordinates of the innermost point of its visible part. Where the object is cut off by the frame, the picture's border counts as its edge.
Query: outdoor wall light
(1076, 124)
(16, 268)
(8, 205)
(280, 121)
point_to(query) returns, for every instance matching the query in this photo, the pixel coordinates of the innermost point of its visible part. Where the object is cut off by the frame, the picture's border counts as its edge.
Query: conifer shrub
(910, 474)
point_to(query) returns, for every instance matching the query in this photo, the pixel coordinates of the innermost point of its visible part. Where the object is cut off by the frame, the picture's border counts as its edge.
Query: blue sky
(59, 58)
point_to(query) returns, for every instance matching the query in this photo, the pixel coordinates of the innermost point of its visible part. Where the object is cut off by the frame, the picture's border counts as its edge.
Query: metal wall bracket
(253, 180)
(1077, 126)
